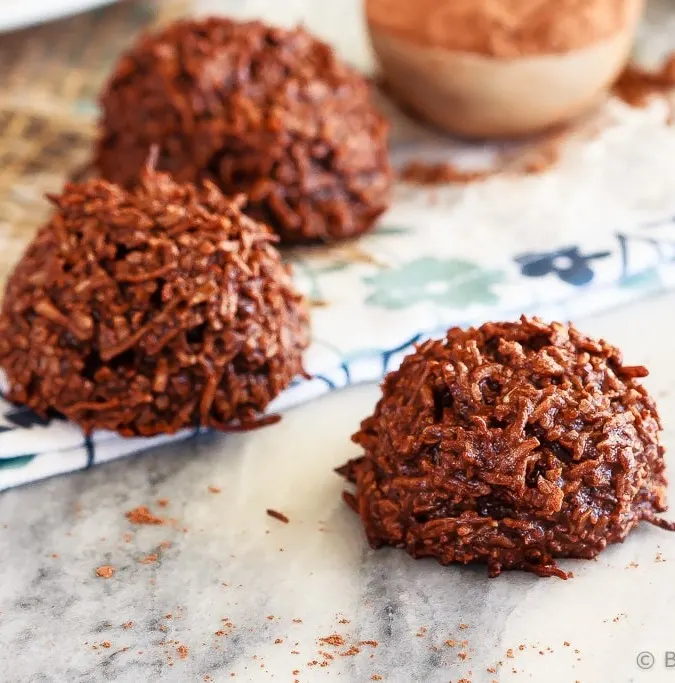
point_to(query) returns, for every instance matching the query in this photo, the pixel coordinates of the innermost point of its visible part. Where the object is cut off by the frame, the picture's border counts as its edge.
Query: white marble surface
(317, 568)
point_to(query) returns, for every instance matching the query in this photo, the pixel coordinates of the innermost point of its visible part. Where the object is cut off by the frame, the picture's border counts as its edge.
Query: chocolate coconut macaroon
(510, 444)
(269, 112)
(151, 310)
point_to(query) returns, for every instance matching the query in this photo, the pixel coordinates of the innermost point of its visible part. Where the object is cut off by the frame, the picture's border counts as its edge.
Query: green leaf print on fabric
(313, 274)
(449, 282)
(387, 230)
(647, 279)
(20, 461)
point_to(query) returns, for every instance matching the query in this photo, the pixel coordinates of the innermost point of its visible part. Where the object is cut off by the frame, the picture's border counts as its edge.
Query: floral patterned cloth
(595, 231)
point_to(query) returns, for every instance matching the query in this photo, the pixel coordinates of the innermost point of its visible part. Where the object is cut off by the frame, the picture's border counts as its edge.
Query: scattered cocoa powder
(127, 624)
(141, 515)
(533, 159)
(376, 677)
(106, 644)
(335, 639)
(540, 158)
(214, 489)
(149, 559)
(278, 515)
(637, 86)
(423, 173)
(183, 651)
(105, 571)
(163, 502)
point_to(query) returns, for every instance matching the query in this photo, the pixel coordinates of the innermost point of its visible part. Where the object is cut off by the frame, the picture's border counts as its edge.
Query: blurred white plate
(16, 14)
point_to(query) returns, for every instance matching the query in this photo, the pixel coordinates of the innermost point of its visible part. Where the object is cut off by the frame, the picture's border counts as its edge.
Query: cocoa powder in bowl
(151, 310)
(502, 28)
(501, 68)
(511, 444)
(269, 112)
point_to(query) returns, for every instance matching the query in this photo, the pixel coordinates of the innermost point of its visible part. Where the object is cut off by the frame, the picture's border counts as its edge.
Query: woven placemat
(50, 77)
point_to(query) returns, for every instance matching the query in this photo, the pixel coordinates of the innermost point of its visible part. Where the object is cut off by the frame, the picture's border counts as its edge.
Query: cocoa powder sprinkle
(425, 173)
(278, 515)
(335, 639)
(149, 559)
(105, 571)
(637, 86)
(141, 515)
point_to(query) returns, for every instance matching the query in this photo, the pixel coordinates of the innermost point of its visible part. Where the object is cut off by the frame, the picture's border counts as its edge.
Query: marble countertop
(224, 591)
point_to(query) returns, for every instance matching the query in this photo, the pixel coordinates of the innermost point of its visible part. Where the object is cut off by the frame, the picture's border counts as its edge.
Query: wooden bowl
(479, 96)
